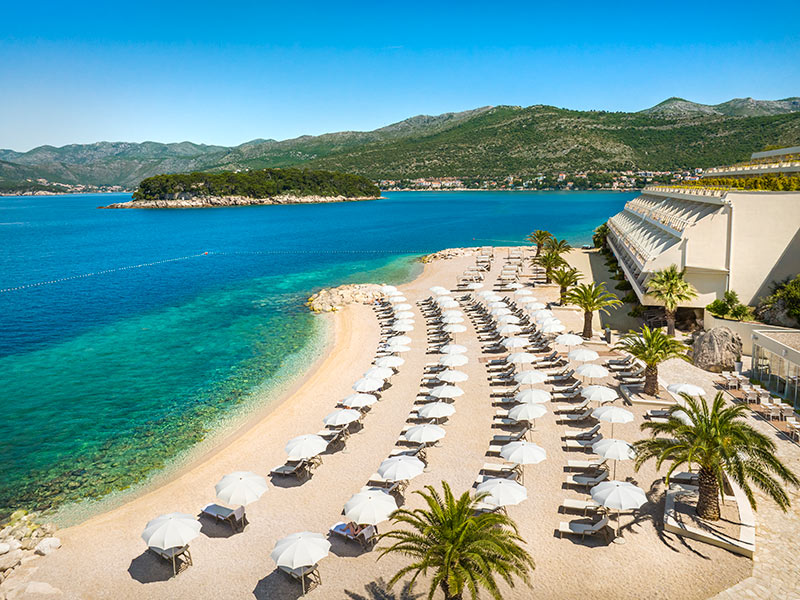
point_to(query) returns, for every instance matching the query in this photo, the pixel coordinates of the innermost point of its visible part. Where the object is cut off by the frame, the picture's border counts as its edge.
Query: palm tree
(550, 261)
(539, 237)
(718, 440)
(462, 550)
(652, 347)
(670, 287)
(565, 278)
(591, 297)
(558, 246)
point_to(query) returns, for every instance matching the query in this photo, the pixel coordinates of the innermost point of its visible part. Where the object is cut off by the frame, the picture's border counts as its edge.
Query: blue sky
(222, 73)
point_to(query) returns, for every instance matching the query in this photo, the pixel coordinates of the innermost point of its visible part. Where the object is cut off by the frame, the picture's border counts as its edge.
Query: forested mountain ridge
(484, 142)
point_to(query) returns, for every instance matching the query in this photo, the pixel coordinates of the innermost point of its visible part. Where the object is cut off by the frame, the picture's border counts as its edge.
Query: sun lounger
(620, 364)
(585, 480)
(297, 469)
(586, 414)
(595, 463)
(504, 439)
(236, 517)
(307, 576)
(176, 556)
(366, 537)
(581, 433)
(581, 444)
(375, 480)
(499, 469)
(582, 528)
(584, 506)
(571, 408)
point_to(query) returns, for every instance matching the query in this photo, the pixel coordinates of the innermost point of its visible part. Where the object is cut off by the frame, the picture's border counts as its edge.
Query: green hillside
(485, 142)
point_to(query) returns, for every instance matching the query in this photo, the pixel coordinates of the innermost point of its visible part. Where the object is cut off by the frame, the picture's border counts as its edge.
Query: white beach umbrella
(401, 468)
(516, 342)
(530, 377)
(524, 292)
(533, 396)
(527, 412)
(394, 292)
(436, 410)
(500, 312)
(401, 340)
(533, 307)
(515, 286)
(391, 362)
(523, 453)
(370, 507)
(613, 449)
(404, 306)
(599, 393)
(686, 388)
(618, 496)
(359, 400)
(498, 304)
(388, 289)
(443, 298)
(522, 358)
(513, 319)
(486, 293)
(341, 417)
(438, 289)
(591, 371)
(569, 340)
(583, 355)
(451, 376)
(453, 360)
(424, 434)
(304, 549)
(452, 349)
(172, 530)
(240, 488)
(554, 326)
(382, 373)
(454, 328)
(612, 414)
(449, 320)
(448, 304)
(493, 297)
(398, 299)
(404, 314)
(446, 391)
(367, 384)
(510, 329)
(502, 492)
(453, 312)
(402, 327)
(403, 322)
(540, 316)
(397, 348)
(304, 447)
(475, 285)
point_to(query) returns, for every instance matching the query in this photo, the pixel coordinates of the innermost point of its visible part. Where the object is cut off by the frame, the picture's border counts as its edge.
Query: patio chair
(582, 444)
(582, 528)
(586, 414)
(293, 468)
(581, 433)
(571, 408)
(367, 536)
(595, 464)
(236, 517)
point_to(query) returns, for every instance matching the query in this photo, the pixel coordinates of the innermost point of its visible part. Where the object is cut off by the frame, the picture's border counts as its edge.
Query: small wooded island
(266, 186)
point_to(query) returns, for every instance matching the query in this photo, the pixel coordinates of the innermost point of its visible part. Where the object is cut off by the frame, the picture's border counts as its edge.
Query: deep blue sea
(128, 336)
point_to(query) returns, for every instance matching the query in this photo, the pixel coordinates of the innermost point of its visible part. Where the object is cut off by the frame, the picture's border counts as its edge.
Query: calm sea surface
(128, 336)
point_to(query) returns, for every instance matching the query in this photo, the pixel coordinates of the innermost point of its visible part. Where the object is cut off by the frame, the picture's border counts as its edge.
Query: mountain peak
(737, 107)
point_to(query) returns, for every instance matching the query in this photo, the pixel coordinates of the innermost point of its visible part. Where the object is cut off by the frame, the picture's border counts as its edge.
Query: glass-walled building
(776, 363)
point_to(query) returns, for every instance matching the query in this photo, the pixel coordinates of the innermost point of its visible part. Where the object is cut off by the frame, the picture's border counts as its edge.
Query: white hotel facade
(723, 240)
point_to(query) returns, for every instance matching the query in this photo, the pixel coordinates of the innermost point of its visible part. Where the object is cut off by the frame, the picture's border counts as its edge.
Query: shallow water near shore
(127, 337)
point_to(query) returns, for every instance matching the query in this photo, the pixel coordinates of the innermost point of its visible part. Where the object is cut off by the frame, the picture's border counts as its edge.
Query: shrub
(729, 307)
(630, 298)
(623, 285)
(718, 308)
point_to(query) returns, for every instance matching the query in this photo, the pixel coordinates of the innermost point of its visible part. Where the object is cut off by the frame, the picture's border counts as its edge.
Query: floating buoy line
(27, 286)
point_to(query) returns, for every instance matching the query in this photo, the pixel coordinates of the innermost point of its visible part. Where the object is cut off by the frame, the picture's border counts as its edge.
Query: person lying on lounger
(354, 529)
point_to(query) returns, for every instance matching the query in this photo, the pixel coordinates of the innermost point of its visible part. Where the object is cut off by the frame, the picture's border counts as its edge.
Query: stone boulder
(9, 560)
(332, 299)
(718, 349)
(775, 313)
(48, 545)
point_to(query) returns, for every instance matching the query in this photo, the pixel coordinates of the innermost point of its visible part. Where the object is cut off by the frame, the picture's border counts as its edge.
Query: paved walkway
(776, 575)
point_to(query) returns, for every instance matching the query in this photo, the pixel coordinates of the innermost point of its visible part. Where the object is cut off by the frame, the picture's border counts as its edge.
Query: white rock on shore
(449, 253)
(188, 201)
(22, 539)
(331, 299)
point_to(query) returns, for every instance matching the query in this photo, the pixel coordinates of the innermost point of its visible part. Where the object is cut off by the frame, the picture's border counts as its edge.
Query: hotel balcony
(754, 169)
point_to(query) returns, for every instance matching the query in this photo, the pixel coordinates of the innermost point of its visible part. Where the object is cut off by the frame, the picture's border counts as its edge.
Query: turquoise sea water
(127, 336)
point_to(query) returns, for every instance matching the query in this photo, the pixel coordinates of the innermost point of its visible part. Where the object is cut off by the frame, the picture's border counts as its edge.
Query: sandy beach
(105, 557)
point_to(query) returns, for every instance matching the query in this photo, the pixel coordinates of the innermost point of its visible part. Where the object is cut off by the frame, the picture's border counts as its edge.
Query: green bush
(729, 307)
(630, 298)
(789, 292)
(718, 308)
(637, 311)
(623, 285)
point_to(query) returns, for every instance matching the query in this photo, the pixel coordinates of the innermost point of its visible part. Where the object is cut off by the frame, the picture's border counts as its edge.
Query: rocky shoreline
(22, 539)
(332, 299)
(188, 201)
